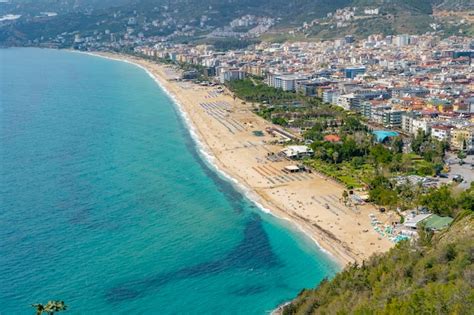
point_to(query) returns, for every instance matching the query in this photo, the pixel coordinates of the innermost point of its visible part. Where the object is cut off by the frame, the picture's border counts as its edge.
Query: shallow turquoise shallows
(105, 202)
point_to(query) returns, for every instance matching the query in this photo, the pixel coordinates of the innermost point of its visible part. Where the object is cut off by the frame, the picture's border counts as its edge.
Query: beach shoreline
(222, 126)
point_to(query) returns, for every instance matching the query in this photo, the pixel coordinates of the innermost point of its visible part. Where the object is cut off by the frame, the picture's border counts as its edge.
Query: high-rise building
(402, 40)
(352, 72)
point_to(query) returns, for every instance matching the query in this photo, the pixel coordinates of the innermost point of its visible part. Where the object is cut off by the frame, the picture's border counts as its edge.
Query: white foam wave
(203, 150)
(210, 159)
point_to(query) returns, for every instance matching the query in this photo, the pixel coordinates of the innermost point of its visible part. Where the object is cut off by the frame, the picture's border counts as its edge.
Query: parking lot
(466, 170)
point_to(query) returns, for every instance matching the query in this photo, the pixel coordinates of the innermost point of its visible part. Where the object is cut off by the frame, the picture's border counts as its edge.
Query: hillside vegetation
(34, 7)
(75, 18)
(433, 276)
(89, 17)
(453, 4)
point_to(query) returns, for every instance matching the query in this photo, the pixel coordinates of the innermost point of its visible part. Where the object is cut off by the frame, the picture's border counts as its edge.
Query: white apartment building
(420, 124)
(407, 123)
(441, 132)
(346, 101)
(231, 74)
(331, 96)
(286, 82)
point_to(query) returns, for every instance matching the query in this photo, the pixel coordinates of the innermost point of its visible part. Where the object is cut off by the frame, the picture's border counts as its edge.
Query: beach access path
(225, 127)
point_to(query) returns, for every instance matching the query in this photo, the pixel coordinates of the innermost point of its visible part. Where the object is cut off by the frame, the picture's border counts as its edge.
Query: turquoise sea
(107, 204)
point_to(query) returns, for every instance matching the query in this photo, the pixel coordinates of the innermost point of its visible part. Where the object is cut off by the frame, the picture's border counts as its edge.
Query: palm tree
(50, 307)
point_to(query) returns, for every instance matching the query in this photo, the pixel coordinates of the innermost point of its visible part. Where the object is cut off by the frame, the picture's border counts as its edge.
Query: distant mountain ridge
(91, 16)
(66, 5)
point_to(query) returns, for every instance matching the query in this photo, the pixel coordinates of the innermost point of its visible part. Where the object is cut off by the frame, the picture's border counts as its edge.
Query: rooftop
(435, 222)
(413, 221)
(382, 135)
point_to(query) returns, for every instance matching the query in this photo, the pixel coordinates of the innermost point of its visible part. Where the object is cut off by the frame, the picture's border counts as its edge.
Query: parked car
(458, 178)
(443, 175)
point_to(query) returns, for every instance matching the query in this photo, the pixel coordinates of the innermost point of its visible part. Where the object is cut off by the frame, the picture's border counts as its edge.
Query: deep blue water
(105, 202)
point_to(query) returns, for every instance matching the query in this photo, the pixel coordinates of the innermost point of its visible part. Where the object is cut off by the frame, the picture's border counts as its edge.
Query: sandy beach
(225, 127)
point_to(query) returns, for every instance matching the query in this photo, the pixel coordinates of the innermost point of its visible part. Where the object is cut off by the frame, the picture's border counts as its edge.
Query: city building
(352, 72)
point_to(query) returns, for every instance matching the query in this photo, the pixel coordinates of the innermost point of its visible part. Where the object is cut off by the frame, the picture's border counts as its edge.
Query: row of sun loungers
(218, 110)
(275, 176)
(213, 94)
(387, 230)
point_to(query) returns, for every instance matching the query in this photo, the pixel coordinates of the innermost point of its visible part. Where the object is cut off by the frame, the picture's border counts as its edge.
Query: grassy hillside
(434, 276)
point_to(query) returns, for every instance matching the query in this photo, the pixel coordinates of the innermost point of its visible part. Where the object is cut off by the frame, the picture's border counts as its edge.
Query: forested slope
(433, 276)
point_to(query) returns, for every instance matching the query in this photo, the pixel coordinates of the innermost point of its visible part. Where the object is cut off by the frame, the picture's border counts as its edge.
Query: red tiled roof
(332, 138)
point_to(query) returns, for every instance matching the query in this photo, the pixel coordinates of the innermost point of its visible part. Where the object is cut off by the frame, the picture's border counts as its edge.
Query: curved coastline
(344, 234)
(210, 159)
(262, 261)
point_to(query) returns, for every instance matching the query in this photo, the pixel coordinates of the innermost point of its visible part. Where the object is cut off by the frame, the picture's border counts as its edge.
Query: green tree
(380, 154)
(440, 201)
(349, 149)
(397, 144)
(315, 133)
(319, 152)
(280, 121)
(50, 308)
(418, 140)
(382, 193)
(352, 124)
(357, 162)
(461, 157)
(466, 199)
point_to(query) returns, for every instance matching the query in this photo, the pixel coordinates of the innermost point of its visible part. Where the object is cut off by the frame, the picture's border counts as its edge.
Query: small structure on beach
(282, 133)
(292, 168)
(432, 222)
(296, 152)
(413, 221)
(190, 75)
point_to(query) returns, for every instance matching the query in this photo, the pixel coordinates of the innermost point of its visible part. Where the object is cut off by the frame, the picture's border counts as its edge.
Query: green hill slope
(434, 276)
(394, 17)
(90, 17)
(175, 13)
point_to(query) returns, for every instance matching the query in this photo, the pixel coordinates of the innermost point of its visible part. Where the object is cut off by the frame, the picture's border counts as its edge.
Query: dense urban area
(397, 105)
(389, 115)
